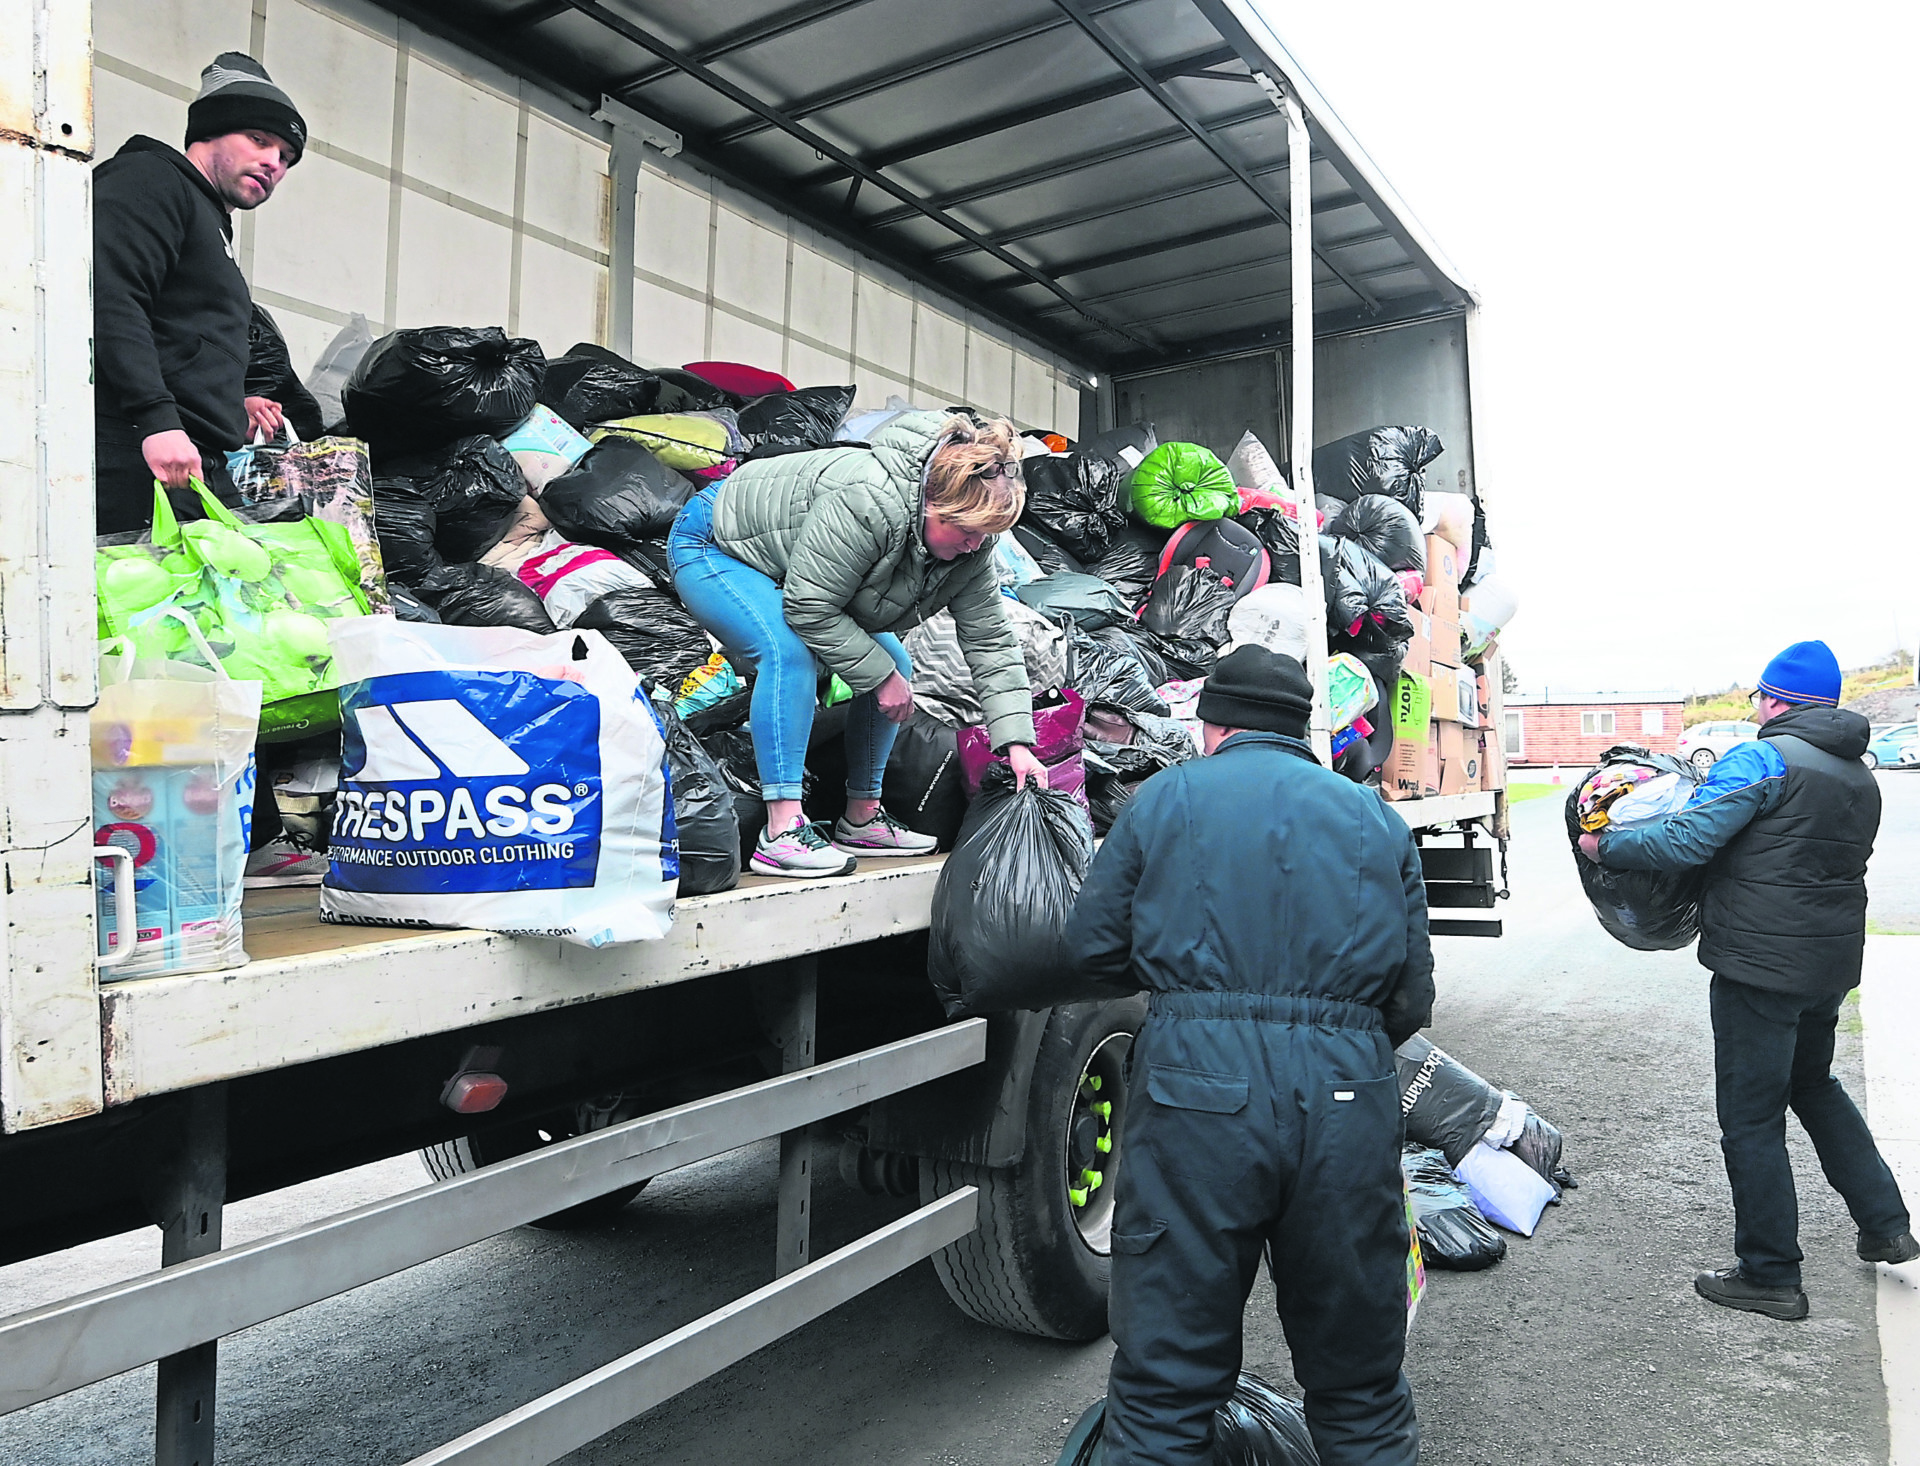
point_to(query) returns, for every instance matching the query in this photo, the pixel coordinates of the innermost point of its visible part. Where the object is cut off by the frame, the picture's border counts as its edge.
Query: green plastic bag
(1179, 482)
(261, 594)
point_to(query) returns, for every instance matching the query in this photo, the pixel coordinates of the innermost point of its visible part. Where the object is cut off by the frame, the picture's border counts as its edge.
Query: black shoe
(1889, 1249)
(1729, 1289)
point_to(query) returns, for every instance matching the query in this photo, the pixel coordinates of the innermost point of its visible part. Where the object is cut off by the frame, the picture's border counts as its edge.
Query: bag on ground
(702, 445)
(1508, 1192)
(1127, 445)
(418, 388)
(1108, 670)
(1258, 1426)
(497, 779)
(1001, 905)
(1132, 561)
(1275, 617)
(405, 524)
(1453, 1233)
(1251, 466)
(1444, 1103)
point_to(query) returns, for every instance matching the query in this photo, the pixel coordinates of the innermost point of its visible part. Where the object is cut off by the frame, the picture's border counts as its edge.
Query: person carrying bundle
(1784, 825)
(818, 560)
(1277, 916)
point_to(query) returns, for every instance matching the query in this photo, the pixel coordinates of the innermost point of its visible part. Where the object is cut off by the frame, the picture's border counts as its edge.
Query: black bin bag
(1132, 561)
(923, 787)
(618, 495)
(481, 595)
(661, 642)
(1454, 1236)
(807, 417)
(1648, 910)
(703, 810)
(420, 387)
(404, 523)
(1445, 1104)
(1075, 499)
(1107, 670)
(474, 487)
(1258, 1426)
(1048, 555)
(1000, 908)
(1384, 460)
(1386, 527)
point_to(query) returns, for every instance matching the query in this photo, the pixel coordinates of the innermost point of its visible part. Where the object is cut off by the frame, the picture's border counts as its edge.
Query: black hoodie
(170, 306)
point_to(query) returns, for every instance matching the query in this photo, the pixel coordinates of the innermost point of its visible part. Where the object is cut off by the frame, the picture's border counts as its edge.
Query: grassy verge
(1520, 793)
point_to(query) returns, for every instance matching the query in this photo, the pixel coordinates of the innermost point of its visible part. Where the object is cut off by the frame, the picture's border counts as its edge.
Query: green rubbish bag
(261, 594)
(1179, 482)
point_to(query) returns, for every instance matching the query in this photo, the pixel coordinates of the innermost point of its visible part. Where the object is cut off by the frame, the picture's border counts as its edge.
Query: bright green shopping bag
(261, 594)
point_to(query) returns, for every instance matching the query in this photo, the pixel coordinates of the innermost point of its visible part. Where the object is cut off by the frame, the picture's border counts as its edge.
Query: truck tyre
(1039, 1260)
(500, 1143)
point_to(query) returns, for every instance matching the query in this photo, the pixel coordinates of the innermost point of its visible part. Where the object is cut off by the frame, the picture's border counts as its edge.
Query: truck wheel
(503, 1142)
(1040, 1258)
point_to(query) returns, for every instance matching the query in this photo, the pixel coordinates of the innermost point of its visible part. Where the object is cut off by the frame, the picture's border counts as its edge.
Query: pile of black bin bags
(513, 490)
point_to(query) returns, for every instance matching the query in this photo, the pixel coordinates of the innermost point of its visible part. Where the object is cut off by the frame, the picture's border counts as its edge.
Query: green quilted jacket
(839, 530)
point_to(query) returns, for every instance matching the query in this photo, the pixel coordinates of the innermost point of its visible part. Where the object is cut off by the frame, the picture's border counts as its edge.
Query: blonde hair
(957, 493)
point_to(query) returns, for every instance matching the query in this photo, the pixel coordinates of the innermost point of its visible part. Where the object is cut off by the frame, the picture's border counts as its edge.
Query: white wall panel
(322, 237)
(749, 266)
(171, 38)
(808, 366)
(885, 327)
(671, 229)
(566, 183)
(939, 353)
(562, 297)
(460, 137)
(872, 389)
(307, 336)
(122, 108)
(1032, 390)
(736, 339)
(822, 298)
(668, 327)
(339, 77)
(989, 373)
(454, 268)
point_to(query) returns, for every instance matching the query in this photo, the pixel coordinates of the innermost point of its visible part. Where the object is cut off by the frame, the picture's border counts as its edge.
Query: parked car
(1705, 744)
(1888, 744)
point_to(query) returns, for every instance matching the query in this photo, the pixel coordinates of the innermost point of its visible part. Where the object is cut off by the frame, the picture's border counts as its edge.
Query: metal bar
(1147, 83)
(529, 16)
(1246, 301)
(643, 38)
(1161, 246)
(999, 122)
(1442, 927)
(944, 60)
(1300, 412)
(623, 163)
(188, 1202)
(1460, 896)
(794, 1008)
(768, 28)
(565, 1419)
(973, 192)
(1457, 863)
(51, 1350)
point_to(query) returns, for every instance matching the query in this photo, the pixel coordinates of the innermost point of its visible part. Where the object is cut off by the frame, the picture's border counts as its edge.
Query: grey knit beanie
(237, 95)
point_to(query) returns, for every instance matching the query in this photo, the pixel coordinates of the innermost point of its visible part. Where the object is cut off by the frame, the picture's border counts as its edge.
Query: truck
(1075, 213)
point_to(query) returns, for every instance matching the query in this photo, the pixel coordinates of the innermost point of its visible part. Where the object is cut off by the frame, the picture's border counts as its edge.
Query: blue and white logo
(467, 781)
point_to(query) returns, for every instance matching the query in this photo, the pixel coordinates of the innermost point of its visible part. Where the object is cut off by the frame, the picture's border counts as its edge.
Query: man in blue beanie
(1784, 824)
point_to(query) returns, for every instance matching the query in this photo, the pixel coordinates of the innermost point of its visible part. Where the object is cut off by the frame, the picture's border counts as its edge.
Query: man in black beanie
(171, 309)
(1277, 917)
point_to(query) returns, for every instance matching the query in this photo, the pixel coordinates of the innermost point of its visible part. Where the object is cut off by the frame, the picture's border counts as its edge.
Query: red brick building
(1572, 730)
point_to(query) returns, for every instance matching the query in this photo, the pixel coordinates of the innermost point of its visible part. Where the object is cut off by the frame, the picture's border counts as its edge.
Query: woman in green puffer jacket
(822, 559)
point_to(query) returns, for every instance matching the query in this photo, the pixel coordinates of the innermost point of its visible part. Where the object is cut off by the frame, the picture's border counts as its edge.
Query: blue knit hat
(1805, 672)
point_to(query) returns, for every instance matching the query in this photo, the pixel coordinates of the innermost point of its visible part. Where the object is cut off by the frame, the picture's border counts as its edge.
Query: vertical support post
(789, 1002)
(1300, 253)
(188, 1193)
(633, 132)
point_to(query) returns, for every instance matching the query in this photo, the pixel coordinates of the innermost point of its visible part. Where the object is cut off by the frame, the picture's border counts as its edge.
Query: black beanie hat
(1251, 687)
(237, 95)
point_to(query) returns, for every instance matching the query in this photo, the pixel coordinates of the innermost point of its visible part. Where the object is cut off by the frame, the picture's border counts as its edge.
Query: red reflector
(473, 1094)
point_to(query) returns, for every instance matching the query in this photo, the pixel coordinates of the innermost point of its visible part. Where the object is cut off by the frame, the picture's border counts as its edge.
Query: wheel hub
(1092, 1140)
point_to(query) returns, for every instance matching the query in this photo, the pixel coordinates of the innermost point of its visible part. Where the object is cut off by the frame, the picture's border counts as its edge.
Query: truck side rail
(79, 1341)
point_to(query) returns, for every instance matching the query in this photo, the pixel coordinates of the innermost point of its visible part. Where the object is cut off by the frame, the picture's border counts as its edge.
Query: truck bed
(313, 991)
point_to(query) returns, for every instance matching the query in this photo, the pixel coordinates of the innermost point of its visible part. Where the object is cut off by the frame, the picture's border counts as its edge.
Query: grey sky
(1690, 227)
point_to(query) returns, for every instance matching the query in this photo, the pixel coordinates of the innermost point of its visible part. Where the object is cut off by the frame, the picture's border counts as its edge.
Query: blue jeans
(1773, 1052)
(742, 608)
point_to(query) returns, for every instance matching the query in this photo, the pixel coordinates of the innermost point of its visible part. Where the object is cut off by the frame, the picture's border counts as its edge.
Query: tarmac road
(1586, 1343)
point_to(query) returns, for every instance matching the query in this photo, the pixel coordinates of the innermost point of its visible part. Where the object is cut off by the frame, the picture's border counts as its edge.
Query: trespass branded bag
(499, 779)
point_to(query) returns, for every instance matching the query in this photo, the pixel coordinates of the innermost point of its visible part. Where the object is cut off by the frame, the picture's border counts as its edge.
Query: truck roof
(1107, 175)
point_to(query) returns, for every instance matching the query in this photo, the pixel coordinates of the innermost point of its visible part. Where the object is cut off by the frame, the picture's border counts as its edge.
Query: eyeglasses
(1754, 700)
(1006, 468)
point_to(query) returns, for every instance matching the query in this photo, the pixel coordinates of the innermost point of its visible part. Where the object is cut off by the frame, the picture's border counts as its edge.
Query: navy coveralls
(1276, 914)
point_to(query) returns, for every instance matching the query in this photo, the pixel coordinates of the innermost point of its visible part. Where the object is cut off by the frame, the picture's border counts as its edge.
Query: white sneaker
(881, 835)
(280, 862)
(800, 851)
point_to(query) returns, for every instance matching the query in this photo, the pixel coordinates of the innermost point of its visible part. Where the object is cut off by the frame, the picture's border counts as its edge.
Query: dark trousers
(1256, 1122)
(1773, 1052)
(123, 484)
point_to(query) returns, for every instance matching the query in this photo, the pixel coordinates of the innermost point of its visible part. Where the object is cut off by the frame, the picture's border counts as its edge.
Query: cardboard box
(1444, 639)
(1493, 759)
(1413, 767)
(1456, 695)
(1443, 567)
(1459, 750)
(1418, 659)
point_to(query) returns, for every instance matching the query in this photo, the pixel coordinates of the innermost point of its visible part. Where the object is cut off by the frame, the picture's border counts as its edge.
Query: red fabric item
(1410, 579)
(1268, 499)
(738, 378)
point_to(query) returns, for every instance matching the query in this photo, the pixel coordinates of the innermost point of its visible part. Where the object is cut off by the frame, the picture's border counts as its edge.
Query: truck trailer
(1075, 213)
